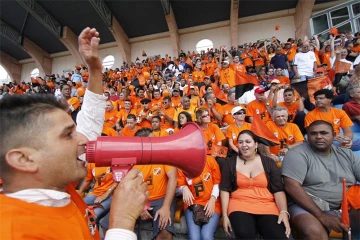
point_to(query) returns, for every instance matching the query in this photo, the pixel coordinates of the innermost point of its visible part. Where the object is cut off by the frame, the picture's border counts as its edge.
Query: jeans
(204, 232)
(90, 199)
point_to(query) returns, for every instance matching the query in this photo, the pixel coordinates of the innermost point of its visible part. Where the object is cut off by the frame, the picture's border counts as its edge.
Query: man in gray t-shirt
(317, 168)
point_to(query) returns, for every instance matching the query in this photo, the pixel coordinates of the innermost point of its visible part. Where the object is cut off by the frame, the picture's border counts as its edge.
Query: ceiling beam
(115, 28)
(40, 56)
(50, 23)
(302, 16)
(42, 16)
(166, 6)
(234, 15)
(173, 30)
(11, 34)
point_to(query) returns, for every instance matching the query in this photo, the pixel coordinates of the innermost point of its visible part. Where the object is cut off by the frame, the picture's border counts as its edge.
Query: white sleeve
(215, 191)
(118, 233)
(90, 119)
(295, 59)
(357, 60)
(332, 61)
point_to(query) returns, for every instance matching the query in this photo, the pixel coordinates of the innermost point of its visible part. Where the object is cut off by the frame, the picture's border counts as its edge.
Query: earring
(256, 150)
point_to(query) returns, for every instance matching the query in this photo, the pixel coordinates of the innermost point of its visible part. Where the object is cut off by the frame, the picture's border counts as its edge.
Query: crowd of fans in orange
(232, 94)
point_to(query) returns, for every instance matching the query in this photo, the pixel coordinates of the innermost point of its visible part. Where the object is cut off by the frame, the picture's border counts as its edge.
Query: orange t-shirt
(22, 220)
(108, 131)
(284, 80)
(191, 111)
(103, 178)
(176, 101)
(110, 118)
(120, 104)
(210, 68)
(135, 101)
(218, 108)
(155, 178)
(232, 132)
(291, 53)
(74, 102)
(156, 103)
(228, 118)
(356, 49)
(317, 54)
(212, 135)
(288, 135)
(202, 186)
(123, 114)
(144, 123)
(337, 117)
(238, 67)
(161, 133)
(258, 108)
(246, 59)
(227, 76)
(198, 76)
(170, 113)
(126, 132)
(293, 109)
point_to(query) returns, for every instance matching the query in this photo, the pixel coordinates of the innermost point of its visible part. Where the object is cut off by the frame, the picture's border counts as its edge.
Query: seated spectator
(186, 106)
(202, 192)
(131, 126)
(110, 115)
(183, 118)
(294, 108)
(212, 133)
(289, 134)
(155, 126)
(100, 198)
(259, 106)
(161, 181)
(166, 114)
(145, 113)
(121, 116)
(283, 79)
(232, 132)
(228, 118)
(72, 102)
(216, 110)
(313, 174)
(337, 117)
(352, 108)
(252, 194)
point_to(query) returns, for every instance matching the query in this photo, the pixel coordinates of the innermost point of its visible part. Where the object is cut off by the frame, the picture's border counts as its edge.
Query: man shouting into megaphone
(40, 149)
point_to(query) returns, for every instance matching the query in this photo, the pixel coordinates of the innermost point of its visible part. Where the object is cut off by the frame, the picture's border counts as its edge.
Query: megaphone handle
(119, 173)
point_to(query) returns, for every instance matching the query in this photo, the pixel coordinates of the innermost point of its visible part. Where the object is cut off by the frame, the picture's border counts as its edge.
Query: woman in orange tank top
(252, 194)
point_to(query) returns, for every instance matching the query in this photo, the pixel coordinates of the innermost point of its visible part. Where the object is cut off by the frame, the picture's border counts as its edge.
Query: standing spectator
(76, 77)
(280, 61)
(305, 63)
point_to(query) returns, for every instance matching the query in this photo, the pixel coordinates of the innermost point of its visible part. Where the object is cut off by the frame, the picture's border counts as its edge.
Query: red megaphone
(185, 150)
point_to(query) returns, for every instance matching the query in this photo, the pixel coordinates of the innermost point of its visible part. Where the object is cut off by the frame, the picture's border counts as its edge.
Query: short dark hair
(22, 119)
(156, 90)
(328, 93)
(144, 132)
(131, 116)
(157, 117)
(320, 122)
(289, 90)
(62, 86)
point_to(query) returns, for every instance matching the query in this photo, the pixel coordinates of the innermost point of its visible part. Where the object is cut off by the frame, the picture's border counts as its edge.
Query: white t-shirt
(305, 63)
(357, 60)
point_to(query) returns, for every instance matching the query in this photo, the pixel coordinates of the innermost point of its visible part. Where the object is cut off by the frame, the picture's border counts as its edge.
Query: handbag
(199, 214)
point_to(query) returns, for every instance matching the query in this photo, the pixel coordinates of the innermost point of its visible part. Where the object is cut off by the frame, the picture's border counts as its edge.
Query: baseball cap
(227, 62)
(260, 90)
(236, 109)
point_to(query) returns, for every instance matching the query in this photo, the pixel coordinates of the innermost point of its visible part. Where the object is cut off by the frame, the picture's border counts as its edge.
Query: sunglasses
(205, 116)
(239, 113)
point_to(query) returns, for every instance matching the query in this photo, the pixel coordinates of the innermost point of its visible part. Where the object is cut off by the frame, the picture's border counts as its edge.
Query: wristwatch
(267, 104)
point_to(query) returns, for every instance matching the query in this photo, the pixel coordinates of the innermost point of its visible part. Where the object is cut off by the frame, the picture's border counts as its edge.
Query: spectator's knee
(313, 231)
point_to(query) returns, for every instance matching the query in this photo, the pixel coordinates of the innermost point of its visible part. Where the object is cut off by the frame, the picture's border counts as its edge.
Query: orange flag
(219, 94)
(342, 67)
(243, 83)
(264, 134)
(315, 84)
(189, 62)
(277, 27)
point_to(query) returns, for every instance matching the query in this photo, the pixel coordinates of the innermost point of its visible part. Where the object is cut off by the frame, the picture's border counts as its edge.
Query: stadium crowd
(277, 148)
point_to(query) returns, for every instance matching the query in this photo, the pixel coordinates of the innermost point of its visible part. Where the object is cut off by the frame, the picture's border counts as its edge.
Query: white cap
(236, 109)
